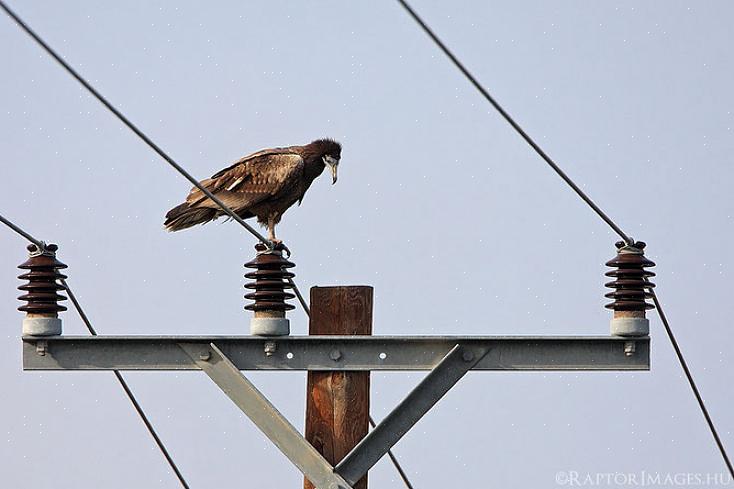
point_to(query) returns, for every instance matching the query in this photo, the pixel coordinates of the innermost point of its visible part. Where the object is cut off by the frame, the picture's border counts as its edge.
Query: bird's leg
(271, 231)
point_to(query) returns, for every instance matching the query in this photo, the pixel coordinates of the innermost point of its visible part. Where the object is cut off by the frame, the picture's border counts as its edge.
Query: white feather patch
(236, 182)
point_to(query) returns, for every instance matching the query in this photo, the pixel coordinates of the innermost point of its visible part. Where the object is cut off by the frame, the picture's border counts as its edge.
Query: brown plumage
(263, 185)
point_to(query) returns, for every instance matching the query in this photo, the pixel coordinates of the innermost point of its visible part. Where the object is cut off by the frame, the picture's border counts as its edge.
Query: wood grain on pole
(338, 403)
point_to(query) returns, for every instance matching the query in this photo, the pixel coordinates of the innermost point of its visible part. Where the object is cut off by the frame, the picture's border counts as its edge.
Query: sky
(459, 226)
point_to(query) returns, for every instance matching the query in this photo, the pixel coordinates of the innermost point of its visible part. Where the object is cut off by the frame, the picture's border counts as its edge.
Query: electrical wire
(392, 456)
(226, 209)
(395, 462)
(18, 230)
(127, 122)
(128, 391)
(185, 174)
(586, 199)
(118, 375)
(255, 233)
(136, 405)
(304, 305)
(512, 122)
(691, 382)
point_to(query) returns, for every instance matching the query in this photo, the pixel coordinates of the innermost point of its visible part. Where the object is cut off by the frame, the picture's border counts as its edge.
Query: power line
(395, 462)
(183, 172)
(18, 230)
(128, 391)
(514, 124)
(304, 305)
(586, 199)
(226, 209)
(127, 122)
(392, 456)
(241, 221)
(136, 405)
(118, 375)
(691, 382)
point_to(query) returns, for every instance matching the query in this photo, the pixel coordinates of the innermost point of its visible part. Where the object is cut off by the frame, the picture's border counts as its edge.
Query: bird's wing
(256, 156)
(252, 179)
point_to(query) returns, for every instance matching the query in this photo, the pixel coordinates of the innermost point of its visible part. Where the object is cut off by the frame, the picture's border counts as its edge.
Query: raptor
(262, 185)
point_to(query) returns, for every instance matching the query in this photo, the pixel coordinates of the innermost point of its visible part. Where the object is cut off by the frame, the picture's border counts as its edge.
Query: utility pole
(339, 353)
(338, 402)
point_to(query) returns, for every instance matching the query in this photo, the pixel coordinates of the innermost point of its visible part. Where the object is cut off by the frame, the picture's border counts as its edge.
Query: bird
(263, 184)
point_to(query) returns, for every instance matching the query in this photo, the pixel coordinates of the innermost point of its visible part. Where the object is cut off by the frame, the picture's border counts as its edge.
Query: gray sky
(440, 206)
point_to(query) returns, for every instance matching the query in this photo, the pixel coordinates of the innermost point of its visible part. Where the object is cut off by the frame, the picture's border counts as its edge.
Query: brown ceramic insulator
(271, 280)
(42, 287)
(630, 278)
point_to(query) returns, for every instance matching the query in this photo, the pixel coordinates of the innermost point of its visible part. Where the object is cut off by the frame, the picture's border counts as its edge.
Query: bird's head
(330, 152)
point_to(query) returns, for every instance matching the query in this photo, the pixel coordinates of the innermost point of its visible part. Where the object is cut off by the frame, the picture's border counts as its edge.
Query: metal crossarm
(265, 416)
(354, 352)
(448, 358)
(406, 414)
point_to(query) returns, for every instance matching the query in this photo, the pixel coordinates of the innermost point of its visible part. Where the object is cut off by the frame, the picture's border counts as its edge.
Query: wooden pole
(338, 403)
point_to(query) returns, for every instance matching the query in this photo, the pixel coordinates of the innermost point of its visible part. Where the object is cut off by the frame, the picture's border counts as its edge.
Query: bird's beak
(332, 163)
(333, 173)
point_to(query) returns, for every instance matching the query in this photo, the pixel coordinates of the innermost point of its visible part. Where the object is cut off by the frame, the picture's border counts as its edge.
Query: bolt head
(335, 355)
(467, 356)
(205, 355)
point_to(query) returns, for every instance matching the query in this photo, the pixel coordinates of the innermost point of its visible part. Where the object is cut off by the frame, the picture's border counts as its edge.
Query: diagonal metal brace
(421, 399)
(265, 416)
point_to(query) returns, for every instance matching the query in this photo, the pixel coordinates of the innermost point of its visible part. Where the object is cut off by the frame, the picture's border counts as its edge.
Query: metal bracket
(299, 451)
(405, 415)
(448, 358)
(265, 416)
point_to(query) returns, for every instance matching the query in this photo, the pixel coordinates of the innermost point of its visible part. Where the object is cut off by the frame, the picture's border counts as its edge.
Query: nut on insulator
(269, 291)
(41, 292)
(630, 290)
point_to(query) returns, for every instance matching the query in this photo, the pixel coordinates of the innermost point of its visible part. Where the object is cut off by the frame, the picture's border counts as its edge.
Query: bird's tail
(184, 216)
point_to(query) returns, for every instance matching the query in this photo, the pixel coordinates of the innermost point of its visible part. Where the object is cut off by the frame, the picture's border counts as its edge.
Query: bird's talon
(277, 245)
(285, 249)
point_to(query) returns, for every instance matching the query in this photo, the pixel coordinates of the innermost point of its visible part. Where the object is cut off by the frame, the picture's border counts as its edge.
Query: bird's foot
(277, 245)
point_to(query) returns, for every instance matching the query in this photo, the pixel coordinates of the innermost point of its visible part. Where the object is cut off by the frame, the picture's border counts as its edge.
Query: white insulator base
(270, 326)
(41, 326)
(629, 326)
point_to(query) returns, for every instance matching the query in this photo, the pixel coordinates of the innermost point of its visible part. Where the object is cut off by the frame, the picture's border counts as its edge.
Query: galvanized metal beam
(265, 416)
(337, 352)
(406, 414)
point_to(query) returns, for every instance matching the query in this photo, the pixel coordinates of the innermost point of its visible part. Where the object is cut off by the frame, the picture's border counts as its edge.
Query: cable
(171, 162)
(226, 209)
(129, 124)
(586, 199)
(392, 456)
(120, 379)
(306, 309)
(395, 462)
(129, 392)
(126, 388)
(691, 382)
(514, 124)
(241, 221)
(21, 232)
